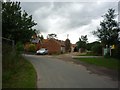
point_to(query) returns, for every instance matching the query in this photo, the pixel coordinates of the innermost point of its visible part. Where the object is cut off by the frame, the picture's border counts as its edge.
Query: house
(54, 46)
(62, 43)
(36, 40)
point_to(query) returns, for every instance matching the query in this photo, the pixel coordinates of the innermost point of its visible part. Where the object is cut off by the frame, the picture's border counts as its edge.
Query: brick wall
(53, 46)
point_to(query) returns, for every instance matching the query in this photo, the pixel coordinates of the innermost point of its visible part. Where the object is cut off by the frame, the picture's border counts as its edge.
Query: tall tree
(41, 37)
(84, 38)
(82, 43)
(67, 45)
(108, 31)
(16, 24)
(52, 36)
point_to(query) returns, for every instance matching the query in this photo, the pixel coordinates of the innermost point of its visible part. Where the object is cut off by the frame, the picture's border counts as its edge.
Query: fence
(7, 45)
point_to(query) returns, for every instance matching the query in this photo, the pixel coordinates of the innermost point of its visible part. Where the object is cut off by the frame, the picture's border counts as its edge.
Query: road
(56, 73)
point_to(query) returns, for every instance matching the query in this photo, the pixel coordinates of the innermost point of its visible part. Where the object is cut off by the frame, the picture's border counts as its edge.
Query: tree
(52, 36)
(67, 45)
(82, 43)
(84, 38)
(41, 37)
(90, 45)
(108, 31)
(16, 24)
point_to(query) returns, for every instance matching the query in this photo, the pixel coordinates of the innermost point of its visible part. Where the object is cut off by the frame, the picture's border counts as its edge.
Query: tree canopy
(67, 45)
(16, 24)
(90, 45)
(52, 35)
(108, 31)
(82, 43)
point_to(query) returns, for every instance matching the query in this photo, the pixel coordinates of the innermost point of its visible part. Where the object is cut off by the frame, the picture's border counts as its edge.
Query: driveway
(56, 73)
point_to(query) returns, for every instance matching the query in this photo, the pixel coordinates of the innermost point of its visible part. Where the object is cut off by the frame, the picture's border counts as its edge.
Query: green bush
(32, 48)
(97, 49)
(17, 72)
(19, 46)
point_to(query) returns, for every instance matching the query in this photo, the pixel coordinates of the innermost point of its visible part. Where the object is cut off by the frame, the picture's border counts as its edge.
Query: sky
(73, 18)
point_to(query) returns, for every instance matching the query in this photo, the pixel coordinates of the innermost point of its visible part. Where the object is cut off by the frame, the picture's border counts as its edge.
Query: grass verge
(110, 63)
(17, 72)
(88, 54)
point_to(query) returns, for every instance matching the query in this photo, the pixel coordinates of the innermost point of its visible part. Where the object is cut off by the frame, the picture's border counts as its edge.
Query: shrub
(19, 46)
(32, 48)
(97, 49)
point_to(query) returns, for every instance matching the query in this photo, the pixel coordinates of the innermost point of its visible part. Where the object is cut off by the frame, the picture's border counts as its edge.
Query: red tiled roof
(52, 45)
(61, 42)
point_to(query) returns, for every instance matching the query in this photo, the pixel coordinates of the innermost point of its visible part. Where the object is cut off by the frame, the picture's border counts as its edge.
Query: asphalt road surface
(56, 73)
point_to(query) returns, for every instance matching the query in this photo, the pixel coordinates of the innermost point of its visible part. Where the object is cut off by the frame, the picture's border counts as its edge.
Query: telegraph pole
(67, 36)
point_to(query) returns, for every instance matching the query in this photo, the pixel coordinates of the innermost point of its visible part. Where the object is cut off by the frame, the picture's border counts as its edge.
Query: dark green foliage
(90, 45)
(116, 52)
(84, 38)
(82, 43)
(97, 49)
(52, 35)
(32, 48)
(67, 45)
(76, 49)
(108, 31)
(41, 37)
(16, 25)
(19, 46)
(17, 72)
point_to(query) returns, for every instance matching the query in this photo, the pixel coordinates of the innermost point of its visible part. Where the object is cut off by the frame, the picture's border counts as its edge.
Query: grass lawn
(88, 54)
(18, 73)
(105, 62)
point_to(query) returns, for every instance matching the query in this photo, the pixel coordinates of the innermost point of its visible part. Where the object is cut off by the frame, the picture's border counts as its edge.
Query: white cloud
(73, 18)
(74, 35)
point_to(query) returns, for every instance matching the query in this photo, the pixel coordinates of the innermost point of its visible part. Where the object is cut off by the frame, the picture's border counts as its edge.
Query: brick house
(54, 46)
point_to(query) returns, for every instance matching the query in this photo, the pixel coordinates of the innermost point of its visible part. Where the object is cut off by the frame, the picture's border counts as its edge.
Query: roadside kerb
(87, 56)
